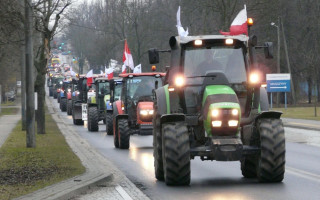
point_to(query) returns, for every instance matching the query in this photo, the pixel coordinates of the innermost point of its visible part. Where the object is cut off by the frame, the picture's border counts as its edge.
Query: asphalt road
(211, 179)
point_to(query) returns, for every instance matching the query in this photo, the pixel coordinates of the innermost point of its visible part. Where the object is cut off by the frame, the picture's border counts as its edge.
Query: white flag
(137, 69)
(181, 30)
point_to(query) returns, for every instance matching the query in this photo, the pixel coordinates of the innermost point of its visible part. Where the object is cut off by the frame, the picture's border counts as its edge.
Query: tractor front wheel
(50, 92)
(157, 148)
(271, 161)
(93, 119)
(176, 153)
(63, 104)
(109, 126)
(69, 107)
(59, 98)
(55, 95)
(124, 134)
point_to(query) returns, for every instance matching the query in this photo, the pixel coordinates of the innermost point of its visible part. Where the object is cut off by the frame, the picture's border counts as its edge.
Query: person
(209, 63)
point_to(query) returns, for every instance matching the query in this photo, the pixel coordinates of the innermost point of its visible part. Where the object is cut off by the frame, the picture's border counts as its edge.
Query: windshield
(117, 91)
(142, 86)
(226, 59)
(104, 88)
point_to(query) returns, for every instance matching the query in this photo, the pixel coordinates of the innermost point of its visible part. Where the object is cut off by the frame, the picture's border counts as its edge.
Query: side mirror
(153, 56)
(268, 50)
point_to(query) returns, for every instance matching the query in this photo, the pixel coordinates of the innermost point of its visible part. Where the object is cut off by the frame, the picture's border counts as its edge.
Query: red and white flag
(127, 56)
(89, 78)
(124, 69)
(239, 24)
(109, 73)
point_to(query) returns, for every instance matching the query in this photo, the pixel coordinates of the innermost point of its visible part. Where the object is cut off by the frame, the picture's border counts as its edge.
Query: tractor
(65, 94)
(72, 95)
(97, 103)
(55, 84)
(79, 99)
(212, 106)
(115, 92)
(133, 113)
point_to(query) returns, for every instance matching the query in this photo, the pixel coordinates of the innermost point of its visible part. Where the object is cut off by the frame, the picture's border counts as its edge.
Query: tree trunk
(40, 89)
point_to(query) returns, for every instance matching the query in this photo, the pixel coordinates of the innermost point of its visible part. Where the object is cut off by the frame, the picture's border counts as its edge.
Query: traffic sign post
(278, 83)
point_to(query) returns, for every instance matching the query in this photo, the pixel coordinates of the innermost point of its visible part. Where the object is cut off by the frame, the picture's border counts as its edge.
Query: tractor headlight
(215, 113)
(233, 123)
(69, 90)
(179, 81)
(235, 112)
(254, 78)
(146, 112)
(216, 123)
(150, 112)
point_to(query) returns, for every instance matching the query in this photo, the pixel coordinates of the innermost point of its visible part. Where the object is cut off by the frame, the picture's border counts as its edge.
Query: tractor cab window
(142, 86)
(117, 92)
(104, 88)
(226, 59)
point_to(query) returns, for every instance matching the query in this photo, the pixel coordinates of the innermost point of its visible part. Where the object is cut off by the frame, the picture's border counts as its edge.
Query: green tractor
(213, 106)
(97, 103)
(79, 99)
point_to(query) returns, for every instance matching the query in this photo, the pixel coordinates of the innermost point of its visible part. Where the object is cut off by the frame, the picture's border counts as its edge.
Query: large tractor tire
(93, 119)
(50, 92)
(109, 125)
(271, 161)
(124, 134)
(69, 107)
(249, 167)
(176, 153)
(115, 129)
(55, 94)
(157, 148)
(63, 104)
(59, 98)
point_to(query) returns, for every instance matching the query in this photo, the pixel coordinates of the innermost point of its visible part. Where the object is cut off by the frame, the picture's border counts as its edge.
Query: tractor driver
(144, 89)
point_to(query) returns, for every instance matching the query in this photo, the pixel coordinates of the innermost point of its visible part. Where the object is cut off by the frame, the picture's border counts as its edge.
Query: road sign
(278, 82)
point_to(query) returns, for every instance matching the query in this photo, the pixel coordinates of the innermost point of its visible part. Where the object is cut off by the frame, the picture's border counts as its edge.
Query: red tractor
(134, 112)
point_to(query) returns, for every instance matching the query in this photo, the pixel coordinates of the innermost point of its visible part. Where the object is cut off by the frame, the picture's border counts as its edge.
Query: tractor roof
(184, 40)
(105, 79)
(142, 74)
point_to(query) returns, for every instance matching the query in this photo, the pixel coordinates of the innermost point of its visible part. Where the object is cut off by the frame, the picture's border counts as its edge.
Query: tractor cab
(57, 84)
(97, 105)
(213, 100)
(134, 111)
(65, 94)
(80, 89)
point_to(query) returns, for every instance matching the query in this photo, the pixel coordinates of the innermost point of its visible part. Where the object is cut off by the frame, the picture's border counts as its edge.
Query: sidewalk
(7, 124)
(101, 178)
(301, 124)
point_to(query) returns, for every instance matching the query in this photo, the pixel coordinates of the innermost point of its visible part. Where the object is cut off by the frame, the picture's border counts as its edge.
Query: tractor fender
(161, 101)
(117, 106)
(69, 95)
(269, 114)
(172, 118)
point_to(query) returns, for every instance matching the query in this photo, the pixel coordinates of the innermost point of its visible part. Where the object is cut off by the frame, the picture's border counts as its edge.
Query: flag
(124, 69)
(109, 73)
(101, 72)
(127, 56)
(89, 78)
(239, 24)
(137, 69)
(181, 30)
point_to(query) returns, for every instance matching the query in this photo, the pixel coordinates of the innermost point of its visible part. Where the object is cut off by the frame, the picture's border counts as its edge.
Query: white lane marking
(123, 193)
(303, 174)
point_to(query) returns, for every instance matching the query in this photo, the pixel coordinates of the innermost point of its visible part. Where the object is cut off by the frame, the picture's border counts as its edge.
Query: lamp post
(278, 56)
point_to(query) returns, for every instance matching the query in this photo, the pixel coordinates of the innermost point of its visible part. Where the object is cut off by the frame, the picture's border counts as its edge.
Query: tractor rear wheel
(59, 98)
(249, 167)
(69, 107)
(76, 121)
(271, 161)
(124, 134)
(176, 153)
(50, 92)
(63, 103)
(109, 126)
(93, 119)
(55, 95)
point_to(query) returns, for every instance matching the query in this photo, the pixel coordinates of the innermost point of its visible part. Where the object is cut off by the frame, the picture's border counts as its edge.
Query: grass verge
(24, 170)
(9, 111)
(299, 113)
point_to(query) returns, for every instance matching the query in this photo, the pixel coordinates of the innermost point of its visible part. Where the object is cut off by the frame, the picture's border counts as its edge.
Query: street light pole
(278, 52)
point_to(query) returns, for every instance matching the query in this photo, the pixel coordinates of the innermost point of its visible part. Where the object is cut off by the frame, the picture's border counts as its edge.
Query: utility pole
(288, 63)
(278, 52)
(23, 72)
(30, 118)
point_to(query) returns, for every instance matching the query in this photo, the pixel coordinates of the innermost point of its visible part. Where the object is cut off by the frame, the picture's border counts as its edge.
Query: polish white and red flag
(127, 56)
(89, 78)
(124, 69)
(239, 24)
(109, 73)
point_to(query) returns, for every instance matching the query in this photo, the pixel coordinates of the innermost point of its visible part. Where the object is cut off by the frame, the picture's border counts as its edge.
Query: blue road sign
(278, 86)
